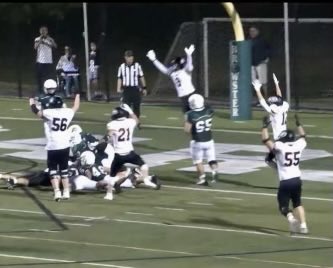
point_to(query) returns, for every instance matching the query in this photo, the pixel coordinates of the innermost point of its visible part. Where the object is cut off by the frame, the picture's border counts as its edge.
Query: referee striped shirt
(130, 74)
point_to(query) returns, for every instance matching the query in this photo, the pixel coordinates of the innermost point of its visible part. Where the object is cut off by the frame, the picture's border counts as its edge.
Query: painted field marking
(42, 230)
(239, 192)
(17, 109)
(309, 125)
(80, 112)
(200, 204)
(271, 261)
(78, 224)
(228, 198)
(162, 127)
(138, 213)
(173, 118)
(175, 209)
(61, 261)
(143, 116)
(94, 218)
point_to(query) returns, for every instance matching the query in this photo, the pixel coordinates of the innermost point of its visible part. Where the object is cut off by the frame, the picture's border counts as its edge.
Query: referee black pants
(44, 71)
(132, 97)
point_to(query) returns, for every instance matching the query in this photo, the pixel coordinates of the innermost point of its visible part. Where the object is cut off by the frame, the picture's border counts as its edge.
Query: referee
(129, 75)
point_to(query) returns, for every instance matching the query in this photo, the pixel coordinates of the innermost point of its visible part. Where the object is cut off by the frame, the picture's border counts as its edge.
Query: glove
(298, 123)
(151, 55)
(265, 121)
(275, 79)
(256, 84)
(189, 50)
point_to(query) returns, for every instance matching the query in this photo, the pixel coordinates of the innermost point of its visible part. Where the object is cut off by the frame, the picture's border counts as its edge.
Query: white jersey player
(56, 121)
(288, 153)
(180, 72)
(277, 109)
(120, 132)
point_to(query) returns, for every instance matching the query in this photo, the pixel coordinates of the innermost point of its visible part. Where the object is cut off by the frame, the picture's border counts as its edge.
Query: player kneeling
(198, 123)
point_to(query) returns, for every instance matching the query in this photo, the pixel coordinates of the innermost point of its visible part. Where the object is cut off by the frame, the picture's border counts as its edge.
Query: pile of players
(90, 166)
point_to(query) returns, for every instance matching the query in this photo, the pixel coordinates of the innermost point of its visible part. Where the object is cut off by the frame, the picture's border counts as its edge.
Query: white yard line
(174, 209)
(61, 261)
(173, 118)
(77, 224)
(271, 261)
(200, 204)
(239, 192)
(42, 230)
(82, 243)
(42, 213)
(162, 127)
(228, 198)
(94, 218)
(138, 213)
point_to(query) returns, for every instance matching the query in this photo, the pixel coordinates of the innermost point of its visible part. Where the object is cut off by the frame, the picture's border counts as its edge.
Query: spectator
(44, 60)
(69, 70)
(94, 64)
(129, 75)
(261, 53)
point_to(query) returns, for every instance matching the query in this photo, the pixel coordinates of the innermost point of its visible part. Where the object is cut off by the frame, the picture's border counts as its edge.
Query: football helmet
(87, 158)
(75, 128)
(178, 63)
(52, 102)
(50, 86)
(287, 136)
(196, 101)
(277, 100)
(118, 113)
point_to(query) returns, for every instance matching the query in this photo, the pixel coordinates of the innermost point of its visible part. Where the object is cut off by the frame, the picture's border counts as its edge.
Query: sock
(147, 181)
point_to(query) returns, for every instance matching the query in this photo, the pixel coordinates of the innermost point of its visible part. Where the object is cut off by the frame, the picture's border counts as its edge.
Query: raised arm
(160, 66)
(257, 86)
(300, 128)
(264, 134)
(277, 87)
(34, 108)
(189, 64)
(76, 104)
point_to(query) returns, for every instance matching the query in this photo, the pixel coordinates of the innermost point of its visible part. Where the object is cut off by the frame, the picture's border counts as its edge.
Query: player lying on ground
(288, 152)
(198, 123)
(180, 71)
(277, 109)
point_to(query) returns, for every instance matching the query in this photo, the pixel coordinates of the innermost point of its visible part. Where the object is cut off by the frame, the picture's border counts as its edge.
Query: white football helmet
(50, 86)
(75, 129)
(196, 101)
(87, 158)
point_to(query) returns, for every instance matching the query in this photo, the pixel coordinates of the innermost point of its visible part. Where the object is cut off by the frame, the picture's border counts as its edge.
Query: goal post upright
(240, 69)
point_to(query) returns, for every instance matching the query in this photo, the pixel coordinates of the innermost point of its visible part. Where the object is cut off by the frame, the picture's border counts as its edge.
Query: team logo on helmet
(287, 136)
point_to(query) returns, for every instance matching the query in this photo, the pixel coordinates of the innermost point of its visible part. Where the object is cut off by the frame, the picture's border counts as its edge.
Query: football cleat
(10, 183)
(65, 195)
(202, 182)
(156, 181)
(108, 196)
(294, 227)
(304, 230)
(57, 196)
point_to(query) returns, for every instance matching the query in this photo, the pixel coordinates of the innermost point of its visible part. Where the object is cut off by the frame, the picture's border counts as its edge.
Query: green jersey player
(198, 123)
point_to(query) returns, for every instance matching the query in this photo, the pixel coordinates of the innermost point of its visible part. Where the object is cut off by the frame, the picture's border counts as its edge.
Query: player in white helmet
(277, 109)
(198, 123)
(180, 71)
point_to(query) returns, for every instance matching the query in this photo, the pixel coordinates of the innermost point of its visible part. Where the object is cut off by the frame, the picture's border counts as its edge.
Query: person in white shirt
(277, 109)
(180, 72)
(69, 70)
(120, 134)
(43, 45)
(288, 152)
(56, 121)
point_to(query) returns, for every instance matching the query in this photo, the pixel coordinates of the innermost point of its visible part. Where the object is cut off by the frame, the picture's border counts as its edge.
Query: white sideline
(240, 192)
(162, 126)
(62, 261)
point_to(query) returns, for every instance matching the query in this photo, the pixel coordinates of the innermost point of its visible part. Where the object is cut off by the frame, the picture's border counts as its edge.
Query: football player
(31, 179)
(288, 153)
(120, 134)
(277, 109)
(198, 123)
(50, 88)
(56, 121)
(180, 72)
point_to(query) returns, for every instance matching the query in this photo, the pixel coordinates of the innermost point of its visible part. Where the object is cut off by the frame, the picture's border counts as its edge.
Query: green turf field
(233, 223)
